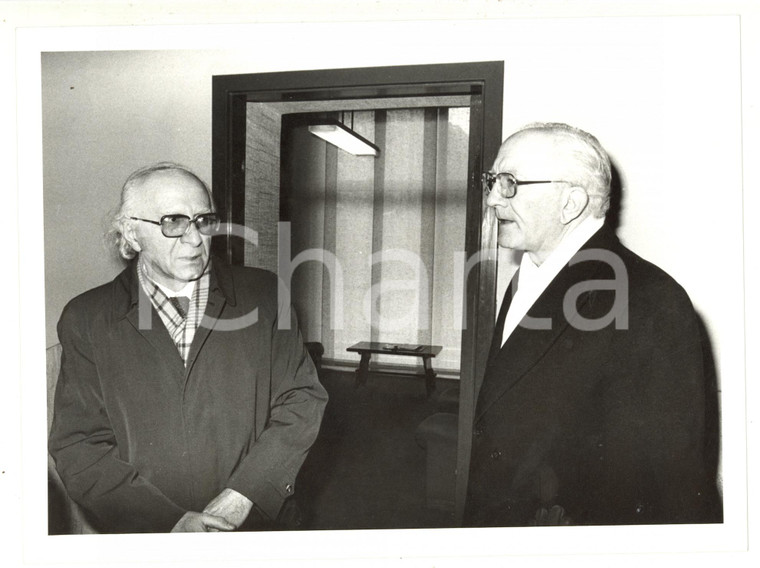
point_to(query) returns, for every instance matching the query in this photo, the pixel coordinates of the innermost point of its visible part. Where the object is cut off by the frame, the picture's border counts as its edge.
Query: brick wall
(262, 184)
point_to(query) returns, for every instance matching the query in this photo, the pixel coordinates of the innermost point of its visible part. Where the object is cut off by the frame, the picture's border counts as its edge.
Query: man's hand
(202, 522)
(554, 517)
(230, 505)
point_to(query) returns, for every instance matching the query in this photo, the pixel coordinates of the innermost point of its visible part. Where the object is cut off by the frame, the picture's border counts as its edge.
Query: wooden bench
(367, 348)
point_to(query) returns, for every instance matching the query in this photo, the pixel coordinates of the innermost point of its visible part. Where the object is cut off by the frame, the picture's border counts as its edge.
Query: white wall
(661, 94)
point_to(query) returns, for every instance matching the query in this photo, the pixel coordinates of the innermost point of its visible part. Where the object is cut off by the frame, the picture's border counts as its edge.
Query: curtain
(373, 241)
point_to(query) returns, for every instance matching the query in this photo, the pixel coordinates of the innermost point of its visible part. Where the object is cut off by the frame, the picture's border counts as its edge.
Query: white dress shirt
(187, 290)
(532, 280)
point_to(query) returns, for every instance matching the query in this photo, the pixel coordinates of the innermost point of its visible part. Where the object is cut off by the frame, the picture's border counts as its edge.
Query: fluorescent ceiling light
(343, 137)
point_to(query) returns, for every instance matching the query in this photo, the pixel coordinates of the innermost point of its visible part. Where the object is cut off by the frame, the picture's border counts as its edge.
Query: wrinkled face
(172, 262)
(529, 221)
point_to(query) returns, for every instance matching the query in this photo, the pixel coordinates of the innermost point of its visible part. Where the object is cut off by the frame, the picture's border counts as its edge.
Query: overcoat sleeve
(84, 448)
(267, 474)
(655, 423)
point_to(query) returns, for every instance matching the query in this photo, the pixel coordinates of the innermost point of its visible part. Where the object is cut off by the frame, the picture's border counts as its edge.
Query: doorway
(234, 158)
(362, 274)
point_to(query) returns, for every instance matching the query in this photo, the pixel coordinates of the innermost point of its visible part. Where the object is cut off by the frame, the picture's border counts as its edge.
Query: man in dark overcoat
(594, 404)
(186, 399)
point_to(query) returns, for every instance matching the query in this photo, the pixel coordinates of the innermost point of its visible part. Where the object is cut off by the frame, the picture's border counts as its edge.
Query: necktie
(181, 304)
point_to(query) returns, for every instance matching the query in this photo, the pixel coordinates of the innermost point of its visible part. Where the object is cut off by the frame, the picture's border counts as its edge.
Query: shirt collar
(187, 290)
(127, 288)
(568, 246)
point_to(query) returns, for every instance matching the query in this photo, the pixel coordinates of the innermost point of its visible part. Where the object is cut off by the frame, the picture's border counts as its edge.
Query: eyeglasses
(176, 225)
(507, 183)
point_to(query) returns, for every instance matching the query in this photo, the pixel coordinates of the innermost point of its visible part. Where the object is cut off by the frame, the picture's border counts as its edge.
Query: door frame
(482, 80)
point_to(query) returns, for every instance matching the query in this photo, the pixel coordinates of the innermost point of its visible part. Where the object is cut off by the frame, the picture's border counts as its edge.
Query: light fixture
(340, 135)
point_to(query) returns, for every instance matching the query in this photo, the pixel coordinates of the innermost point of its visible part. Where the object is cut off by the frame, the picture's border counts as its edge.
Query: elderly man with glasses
(186, 399)
(595, 404)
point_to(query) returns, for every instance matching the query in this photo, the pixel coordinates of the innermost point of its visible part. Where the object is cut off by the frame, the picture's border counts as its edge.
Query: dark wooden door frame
(482, 80)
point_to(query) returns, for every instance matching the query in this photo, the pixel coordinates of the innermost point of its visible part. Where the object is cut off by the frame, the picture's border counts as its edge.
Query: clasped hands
(225, 512)
(554, 516)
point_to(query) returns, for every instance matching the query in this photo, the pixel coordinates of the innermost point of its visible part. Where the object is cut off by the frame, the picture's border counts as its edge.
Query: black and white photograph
(380, 284)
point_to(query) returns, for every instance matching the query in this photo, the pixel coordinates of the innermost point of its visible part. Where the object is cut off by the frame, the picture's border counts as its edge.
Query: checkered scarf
(182, 330)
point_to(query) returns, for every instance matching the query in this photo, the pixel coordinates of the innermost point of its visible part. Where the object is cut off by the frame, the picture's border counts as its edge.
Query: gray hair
(590, 161)
(130, 199)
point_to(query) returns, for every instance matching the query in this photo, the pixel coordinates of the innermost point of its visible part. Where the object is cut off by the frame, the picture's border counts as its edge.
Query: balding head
(134, 198)
(547, 179)
(576, 156)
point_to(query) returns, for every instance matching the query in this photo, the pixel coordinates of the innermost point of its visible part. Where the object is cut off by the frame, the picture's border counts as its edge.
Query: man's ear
(576, 201)
(130, 234)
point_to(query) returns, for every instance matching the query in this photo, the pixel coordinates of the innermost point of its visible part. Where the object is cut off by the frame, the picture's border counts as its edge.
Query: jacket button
(478, 432)
(495, 455)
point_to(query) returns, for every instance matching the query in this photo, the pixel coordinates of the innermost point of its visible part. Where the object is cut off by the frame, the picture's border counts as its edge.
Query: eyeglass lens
(177, 225)
(505, 182)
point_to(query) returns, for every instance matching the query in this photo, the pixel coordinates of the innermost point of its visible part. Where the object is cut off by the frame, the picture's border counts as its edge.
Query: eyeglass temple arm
(488, 176)
(146, 220)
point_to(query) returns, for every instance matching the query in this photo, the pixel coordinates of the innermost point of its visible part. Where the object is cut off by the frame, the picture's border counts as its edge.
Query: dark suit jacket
(139, 439)
(609, 424)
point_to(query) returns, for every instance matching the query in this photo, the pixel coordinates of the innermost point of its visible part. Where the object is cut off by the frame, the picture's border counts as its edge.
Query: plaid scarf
(181, 329)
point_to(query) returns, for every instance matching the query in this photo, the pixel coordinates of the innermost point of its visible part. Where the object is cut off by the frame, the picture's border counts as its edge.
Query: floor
(366, 470)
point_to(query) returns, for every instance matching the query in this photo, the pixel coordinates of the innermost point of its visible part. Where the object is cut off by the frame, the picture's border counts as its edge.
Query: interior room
(353, 209)
(355, 220)
(637, 84)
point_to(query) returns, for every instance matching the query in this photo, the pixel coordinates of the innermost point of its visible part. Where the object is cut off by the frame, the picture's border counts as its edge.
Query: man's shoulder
(248, 284)
(646, 270)
(647, 283)
(101, 299)
(651, 284)
(636, 266)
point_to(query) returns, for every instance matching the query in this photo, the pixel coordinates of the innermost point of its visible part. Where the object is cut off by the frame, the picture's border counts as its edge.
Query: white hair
(589, 161)
(131, 198)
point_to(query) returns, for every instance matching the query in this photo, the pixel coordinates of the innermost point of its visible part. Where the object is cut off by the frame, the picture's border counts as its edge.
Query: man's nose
(192, 236)
(495, 199)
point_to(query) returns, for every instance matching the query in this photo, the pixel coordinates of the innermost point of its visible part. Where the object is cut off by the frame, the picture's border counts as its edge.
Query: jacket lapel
(539, 330)
(141, 314)
(221, 292)
(498, 331)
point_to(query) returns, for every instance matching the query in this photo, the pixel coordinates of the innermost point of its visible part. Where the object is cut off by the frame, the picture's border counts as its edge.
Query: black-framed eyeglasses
(175, 225)
(507, 183)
